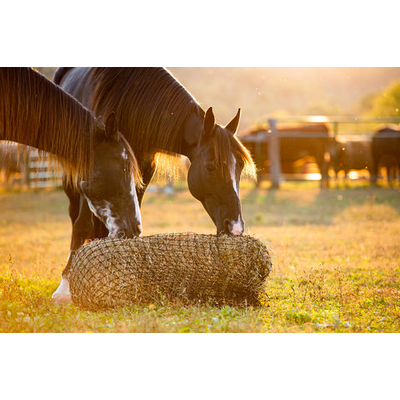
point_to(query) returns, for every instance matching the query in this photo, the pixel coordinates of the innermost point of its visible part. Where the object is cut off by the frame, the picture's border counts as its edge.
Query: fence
(272, 135)
(42, 171)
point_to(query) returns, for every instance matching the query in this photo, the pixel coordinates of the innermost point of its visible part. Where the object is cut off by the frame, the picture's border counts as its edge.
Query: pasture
(335, 256)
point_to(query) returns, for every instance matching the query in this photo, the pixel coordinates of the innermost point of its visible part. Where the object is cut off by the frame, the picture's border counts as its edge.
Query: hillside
(294, 91)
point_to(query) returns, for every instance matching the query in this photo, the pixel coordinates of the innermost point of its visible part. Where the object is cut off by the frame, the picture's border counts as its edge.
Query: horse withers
(157, 114)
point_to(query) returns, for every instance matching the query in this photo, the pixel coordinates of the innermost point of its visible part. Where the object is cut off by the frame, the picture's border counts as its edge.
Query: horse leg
(82, 226)
(74, 202)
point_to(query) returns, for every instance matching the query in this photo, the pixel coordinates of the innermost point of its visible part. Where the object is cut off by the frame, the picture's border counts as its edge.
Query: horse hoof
(60, 299)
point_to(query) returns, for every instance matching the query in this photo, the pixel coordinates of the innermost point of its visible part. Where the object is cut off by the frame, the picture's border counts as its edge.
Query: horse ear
(112, 128)
(233, 125)
(209, 122)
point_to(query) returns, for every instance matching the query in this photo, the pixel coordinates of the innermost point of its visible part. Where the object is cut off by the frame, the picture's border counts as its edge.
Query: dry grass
(335, 255)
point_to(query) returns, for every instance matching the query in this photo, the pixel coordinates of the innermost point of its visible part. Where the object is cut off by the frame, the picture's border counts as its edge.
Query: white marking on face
(124, 154)
(110, 220)
(233, 176)
(133, 194)
(104, 213)
(237, 226)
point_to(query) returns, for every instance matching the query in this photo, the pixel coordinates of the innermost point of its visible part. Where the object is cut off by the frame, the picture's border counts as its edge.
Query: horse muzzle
(234, 228)
(126, 233)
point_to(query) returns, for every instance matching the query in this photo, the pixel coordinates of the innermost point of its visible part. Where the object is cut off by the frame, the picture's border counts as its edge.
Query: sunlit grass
(335, 252)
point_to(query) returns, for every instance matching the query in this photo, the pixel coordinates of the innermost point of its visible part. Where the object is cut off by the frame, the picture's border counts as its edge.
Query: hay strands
(194, 268)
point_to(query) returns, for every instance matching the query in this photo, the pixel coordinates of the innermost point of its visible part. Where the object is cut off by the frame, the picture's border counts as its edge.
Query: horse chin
(235, 231)
(125, 234)
(233, 228)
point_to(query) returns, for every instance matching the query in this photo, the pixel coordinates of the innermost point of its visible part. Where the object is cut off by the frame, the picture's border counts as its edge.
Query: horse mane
(226, 144)
(35, 112)
(151, 107)
(160, 126)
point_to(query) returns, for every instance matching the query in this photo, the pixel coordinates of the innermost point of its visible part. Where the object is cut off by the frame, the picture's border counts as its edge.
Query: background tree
(387, 103)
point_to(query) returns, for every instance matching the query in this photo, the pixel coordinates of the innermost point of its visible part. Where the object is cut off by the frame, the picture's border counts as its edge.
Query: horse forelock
(228, 149)
(131, 165)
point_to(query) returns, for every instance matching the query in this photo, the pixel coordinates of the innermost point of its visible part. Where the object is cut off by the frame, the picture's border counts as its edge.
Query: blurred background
(278, 92)
(346, 97)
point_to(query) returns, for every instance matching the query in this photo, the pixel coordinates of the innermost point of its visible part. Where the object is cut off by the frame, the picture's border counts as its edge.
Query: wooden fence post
(274, 155)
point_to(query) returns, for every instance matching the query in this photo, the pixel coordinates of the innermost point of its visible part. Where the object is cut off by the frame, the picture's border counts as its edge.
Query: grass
(335, 252)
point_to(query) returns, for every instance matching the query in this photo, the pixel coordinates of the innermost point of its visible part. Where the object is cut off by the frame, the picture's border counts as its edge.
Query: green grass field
(336, 256)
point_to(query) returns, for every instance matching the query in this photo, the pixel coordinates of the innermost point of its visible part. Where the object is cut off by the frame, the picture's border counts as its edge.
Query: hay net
(193, 267)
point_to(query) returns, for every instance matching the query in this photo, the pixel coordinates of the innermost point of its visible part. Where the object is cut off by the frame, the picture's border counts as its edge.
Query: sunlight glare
(313, 177)
(318, 118)
(353, 175)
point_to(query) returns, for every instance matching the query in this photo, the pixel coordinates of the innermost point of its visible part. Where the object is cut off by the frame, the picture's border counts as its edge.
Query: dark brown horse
(386, 152)
(98, 161)
(296, 143)
(352, 154)
(157, 114)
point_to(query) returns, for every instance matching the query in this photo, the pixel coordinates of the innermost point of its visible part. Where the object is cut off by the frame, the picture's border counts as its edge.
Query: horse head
(214, 174)
(110, 189)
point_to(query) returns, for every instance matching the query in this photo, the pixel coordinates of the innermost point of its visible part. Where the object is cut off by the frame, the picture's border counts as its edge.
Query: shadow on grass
(312, 206)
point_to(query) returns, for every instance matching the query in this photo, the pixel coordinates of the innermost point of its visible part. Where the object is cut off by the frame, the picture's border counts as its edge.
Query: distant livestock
(352, 154)
(296, 143)
(386, 153)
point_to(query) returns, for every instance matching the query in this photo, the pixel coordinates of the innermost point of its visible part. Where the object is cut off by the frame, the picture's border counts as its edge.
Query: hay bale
(221, 270)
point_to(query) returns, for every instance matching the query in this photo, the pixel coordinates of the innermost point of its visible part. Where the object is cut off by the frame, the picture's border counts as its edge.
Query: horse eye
(210, 167)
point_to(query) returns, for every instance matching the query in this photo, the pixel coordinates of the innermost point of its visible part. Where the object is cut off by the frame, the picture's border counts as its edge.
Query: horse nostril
(227, 226)
(233, 227)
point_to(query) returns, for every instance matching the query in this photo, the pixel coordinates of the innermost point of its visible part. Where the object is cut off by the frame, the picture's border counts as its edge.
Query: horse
(352, 154)
(158, 115)
(98, 162)
(386, 152)
(294, 147)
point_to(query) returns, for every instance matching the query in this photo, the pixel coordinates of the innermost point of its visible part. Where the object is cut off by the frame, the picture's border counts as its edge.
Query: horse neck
(191, 134)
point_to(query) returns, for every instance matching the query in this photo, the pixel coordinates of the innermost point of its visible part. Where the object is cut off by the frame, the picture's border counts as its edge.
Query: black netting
(221, 270)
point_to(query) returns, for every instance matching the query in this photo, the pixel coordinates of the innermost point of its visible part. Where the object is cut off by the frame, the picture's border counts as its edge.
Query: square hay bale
(221, 270)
